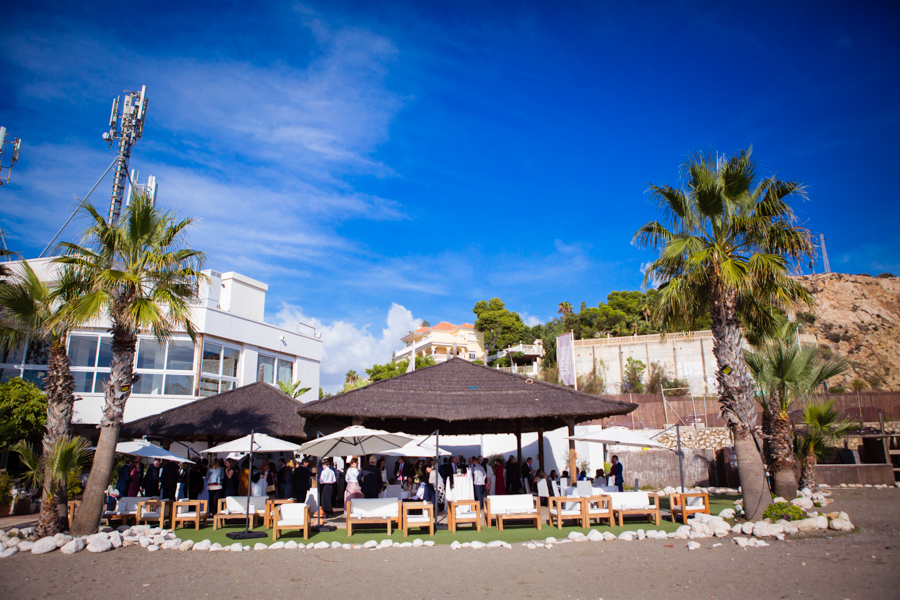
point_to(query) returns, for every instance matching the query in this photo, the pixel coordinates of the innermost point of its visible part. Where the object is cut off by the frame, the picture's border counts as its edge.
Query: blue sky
(378, 164)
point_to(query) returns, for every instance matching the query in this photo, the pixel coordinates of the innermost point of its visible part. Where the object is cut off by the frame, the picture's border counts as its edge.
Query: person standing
(479, 480)
(512, 476)
(282, 477)
(195, 482)
(123, 481)
(134, 486)
(370, 479)
(527, 475)
(327, 479)
(616, 471)
(168, 480)
(301, 480)
(499, 478)
(402, 471)
(351, 477)
(232, 478)
(150, 481)
(214, 486)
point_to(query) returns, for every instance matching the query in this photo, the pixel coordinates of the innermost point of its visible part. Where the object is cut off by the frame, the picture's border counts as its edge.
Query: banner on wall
(565, 358)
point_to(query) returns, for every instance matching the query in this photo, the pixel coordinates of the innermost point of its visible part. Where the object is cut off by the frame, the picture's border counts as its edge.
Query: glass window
(226, 386)
(471, 356)
(14, 356)
(209, 387)
(99, 381)
(230, 359)
(38, 352)
(285, 370)
(268, 368)
(179, 385)
(84, 381)
(104, 358)
(151, 355)
(181, 356)
(34, 376)
(212, 355)
(83, 351)
(150, 383)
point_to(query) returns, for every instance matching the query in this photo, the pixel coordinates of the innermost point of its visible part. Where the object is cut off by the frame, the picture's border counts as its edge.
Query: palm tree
(821, 425)
(726, 244)
(32, 311)
(351, 377)
(139, 274)
(64, 455)
(784, 373)
(565, 308)
(292, 389)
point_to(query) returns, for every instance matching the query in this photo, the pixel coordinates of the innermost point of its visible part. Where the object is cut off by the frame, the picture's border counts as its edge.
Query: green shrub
(6, 487)
(73, 484)
(784, 510)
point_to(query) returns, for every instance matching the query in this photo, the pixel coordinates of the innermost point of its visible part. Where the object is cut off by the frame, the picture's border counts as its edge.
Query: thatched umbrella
(458, 397)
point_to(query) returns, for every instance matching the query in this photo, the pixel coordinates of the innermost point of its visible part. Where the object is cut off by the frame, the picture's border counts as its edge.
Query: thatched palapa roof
(459, 397)
(258, 406)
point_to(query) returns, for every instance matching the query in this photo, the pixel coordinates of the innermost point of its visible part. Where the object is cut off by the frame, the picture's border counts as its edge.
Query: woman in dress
(383, 471)
(258, 483)
(232, 479)
(499, 478)
(214, 485)
(351, 477)
(135, 475)
(271, 481)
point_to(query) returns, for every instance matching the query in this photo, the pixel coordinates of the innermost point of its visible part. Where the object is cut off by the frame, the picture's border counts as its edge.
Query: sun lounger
(235, 508)
(635, 503)
(189, 511)
(290, 517)
(151, 511)
(426, 519)
(515, 506)
(372, 510)
(687, 504)
(463, 511)
(126, 510)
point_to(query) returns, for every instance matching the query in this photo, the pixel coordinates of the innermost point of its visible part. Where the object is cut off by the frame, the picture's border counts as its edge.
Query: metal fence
(655, 412)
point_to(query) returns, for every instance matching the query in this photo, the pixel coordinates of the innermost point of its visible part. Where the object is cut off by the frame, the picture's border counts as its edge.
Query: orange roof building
(440, 340)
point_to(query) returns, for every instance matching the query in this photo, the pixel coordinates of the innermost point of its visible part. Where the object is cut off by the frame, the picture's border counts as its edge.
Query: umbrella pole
(680, 456)
(437, 464)
(247, 534)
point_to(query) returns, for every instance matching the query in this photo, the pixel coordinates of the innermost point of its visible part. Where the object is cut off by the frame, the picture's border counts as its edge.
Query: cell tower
(14, 157)
(825, 264)
(127, 128)
(141, 189)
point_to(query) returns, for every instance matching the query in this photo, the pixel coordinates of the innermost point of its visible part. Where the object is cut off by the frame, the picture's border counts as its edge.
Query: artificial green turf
(511, 533)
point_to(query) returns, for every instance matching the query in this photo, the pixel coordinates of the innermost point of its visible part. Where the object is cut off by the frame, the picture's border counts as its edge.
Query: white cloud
(529, 320)
(348, 346)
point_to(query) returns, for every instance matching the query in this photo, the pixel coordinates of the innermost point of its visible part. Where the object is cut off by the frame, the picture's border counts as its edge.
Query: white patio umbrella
(415, 449)
(255, 442)
(144, 449)
(355, 440)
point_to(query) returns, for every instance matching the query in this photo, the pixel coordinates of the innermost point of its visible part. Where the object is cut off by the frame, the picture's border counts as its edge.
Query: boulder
(574, 535)
(277, 546)
(806, 525)
(322, 545)
(203, 546)
(100, 544)
(139, 529)
(145, 541)
(236, 547)
(159, 539)
(216, 547)
(456, 545)
(370, 544)
(761, 529)
(836, 524)
(778, 499)
(787, 527)
(476, 545)
(44, 545)
(418, 543)
(803, 502)
(170, 544)
(843, 515)
(805, 492)
(779, 537)
(350, 546)
(73, 547)
(595, 536)
(26, 546)
(260, 546)
(693, 546)
(550, 540)
(742, 542)
(737, 528)
(747, 528)
(115, 538)
(291, 545)
(429, 543)
(608, 536)
(9, 552)
(727, 513)
(335, 545)
(62, 539)
(386, 543)
(529, 546)
(152, 548)
(626, 536)
(822, 522)
(186, 545)
(776, 529)
(495, 544)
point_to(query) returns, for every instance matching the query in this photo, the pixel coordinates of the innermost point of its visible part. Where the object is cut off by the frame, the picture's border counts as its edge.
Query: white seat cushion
(631, 501)
(565, 512)
(418, 519)
(295, 513)
(291, 523)
(374, 508)
(150, 515)
(187, 515)
(514, 504)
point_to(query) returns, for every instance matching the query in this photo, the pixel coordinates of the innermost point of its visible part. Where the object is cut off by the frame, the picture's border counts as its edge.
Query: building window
(471, 356)
(284, 369)
(219, 370)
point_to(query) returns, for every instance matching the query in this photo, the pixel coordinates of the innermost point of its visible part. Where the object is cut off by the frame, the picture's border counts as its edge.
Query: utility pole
(127, 128)
(14, 158)
(825, 264)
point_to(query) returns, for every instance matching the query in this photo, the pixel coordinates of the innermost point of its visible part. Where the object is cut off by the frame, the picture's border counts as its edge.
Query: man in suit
(282, 477)
(301, 480)
(150, 482)
(122, 482)
(526, 474)
(616, 471)
(445, 469)
(403, 470)
(370, 479)
(168, 480)
(461, 466)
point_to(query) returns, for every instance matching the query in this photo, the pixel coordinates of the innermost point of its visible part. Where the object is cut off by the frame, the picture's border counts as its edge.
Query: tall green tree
(140, 275)
(25, 409)
(494, 316)
(33, 311)
(727, 241)
(785, 373)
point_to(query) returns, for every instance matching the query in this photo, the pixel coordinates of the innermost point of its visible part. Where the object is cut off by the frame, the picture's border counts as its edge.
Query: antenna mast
(127, 128)
(13, 158)
(824, 254)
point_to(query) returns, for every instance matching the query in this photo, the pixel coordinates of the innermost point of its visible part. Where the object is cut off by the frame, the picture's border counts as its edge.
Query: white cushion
(566, 513)
(631, 501)
(418, 519)
(187, 515)
(291, 523)
(150, 515)
(293, 512)
(694, 502)
(374, 508)
(513, 504)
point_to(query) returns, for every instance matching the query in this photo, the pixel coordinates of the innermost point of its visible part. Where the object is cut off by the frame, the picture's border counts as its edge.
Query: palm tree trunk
(60, 387)
(808, 477)
(736, 399)
(782, 442)
(118, 390)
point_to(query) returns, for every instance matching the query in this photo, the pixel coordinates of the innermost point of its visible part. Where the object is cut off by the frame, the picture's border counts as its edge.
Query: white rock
(145, 541)
(804, 492)
(203, 546)
(529, 546)
(105, 529)
(760, 529)
(153, 548)
(429, 543)
(778, 499)
(787, 526)
(62, 539)
(186, 545)
(738, 528)
(805, 525)
(641, 534)
(779, 537)
(26, 546)
(236, 547)
(169, 545)
(370, 544)
(322, 545)
(138, 529)
(170, 535)
(747, 528)
(727, 513)
(467, 544)
(115, 538)
(759, 543)
(291, 545)
(409, 545)
(836, 524)
(626, 536)
(277, 546)
(843, 515)
(44, 545)
(495, 544)
(73, 547)
(335, 545)
(550, 540)
(260, 546)
(575, 535)
(100, 545)
(9, 552)
(595, 536)
(386, 543)
(159, 539)
(804, 503)
(742, 542)
(775, 528)
(476, 545)
(716, 545)
(822, 522)
(456, 545)
(693, 546)
(418, 543)
(608, 536)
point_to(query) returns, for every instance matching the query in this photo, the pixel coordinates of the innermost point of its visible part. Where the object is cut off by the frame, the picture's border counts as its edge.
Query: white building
(233, 345)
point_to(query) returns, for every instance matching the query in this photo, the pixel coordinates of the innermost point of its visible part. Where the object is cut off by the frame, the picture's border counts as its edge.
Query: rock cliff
(858, 319)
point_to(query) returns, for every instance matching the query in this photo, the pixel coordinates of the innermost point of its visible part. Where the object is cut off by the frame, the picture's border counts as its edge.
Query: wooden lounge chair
(597, 507)
(235, 508)
(565, 509)
(463, 511)
(126, 510)
(152, 511)
(425, 520)
(191, 511)
(290, 517)
(514, 507)
(635, 503)
(372, 510)
(687, 504)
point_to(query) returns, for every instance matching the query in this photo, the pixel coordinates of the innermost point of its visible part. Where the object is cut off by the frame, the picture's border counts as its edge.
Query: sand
(862, 565)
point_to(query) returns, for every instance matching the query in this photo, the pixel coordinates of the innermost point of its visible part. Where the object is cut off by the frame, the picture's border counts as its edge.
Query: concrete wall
(659, 468)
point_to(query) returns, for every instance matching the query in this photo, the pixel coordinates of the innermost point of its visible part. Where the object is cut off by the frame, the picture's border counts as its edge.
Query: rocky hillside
(858, 318)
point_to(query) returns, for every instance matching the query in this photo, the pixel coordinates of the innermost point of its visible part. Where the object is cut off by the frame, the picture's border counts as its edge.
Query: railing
(521, 369)
(659, 338)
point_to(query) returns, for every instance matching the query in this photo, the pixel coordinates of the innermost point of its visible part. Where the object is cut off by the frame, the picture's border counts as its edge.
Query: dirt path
(865, 565)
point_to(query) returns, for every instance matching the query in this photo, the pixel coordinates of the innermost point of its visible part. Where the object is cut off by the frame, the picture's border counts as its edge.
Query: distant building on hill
(439, 341)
